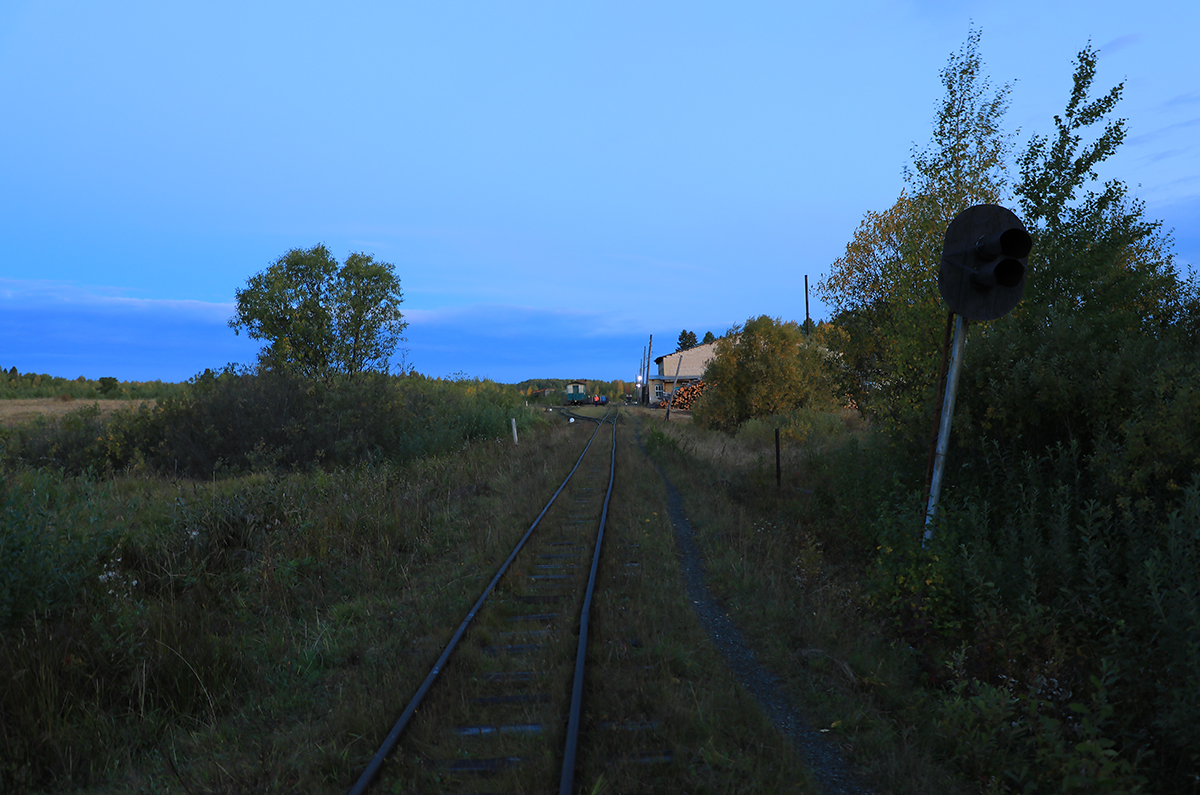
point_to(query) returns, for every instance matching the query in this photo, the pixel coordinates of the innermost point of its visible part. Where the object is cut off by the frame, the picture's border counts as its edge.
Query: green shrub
(763, 368)
(1048, 582)
(45, 565)
(1020, 742)
(1130, 405)
(241, 421)
(82, 439)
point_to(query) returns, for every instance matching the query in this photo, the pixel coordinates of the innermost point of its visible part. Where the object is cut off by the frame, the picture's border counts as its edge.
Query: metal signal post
(957, 347)
(981, 277)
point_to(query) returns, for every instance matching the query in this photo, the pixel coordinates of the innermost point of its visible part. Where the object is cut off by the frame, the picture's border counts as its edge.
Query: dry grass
(790, 574)
(21, 410)
(754, 446)
(284, 602)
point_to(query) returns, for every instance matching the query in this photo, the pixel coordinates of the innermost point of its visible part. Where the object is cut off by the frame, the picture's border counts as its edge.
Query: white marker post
(514, 419)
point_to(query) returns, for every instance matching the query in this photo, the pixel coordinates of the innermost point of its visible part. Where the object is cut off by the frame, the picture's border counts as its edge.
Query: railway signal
(981, 277)
(984, 261)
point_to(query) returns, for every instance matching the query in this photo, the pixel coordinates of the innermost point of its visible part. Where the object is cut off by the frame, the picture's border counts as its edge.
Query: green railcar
(575, 394)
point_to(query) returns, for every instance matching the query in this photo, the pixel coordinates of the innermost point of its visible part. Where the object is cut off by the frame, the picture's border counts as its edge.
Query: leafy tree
(708, 337)
(1092, 388)
(763, 368)
(1079, 418)
(1096, 254)
(687, 340)
(884, 288)
(321, 319)
(1105, 322)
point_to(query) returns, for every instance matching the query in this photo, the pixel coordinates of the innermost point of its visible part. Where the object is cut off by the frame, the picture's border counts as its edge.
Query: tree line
(15, 384)
(1100, 352)
(687, 340)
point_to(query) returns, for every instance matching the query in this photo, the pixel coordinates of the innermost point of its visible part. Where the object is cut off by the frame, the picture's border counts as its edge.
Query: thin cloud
(1191, 179)
(37, 292)
(63, 329)
(1166, 155)
(1190, 98)
(1153, 135)
(1120, 43)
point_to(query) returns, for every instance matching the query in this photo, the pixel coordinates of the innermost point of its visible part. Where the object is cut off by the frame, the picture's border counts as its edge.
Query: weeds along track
(506, 711)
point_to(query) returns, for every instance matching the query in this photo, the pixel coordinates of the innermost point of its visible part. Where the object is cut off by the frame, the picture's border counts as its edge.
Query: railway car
(575, 394)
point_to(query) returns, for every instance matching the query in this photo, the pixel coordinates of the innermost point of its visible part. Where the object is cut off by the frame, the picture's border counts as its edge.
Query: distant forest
(14, 384)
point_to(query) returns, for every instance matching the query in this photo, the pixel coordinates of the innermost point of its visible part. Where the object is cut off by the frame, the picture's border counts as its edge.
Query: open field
(18, 410)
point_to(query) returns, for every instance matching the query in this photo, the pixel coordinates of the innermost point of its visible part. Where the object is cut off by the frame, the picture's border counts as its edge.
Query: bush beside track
(238, 422)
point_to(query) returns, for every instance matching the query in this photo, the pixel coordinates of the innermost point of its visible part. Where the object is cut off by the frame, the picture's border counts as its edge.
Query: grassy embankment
(1044, 640)
(201, 632)
(146, 615)
(791, 562)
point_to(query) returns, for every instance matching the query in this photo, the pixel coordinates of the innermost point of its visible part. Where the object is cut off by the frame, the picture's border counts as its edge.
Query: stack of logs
(683, 398)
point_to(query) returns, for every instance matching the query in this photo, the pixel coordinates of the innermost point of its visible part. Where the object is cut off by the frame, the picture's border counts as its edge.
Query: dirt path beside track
(828, 765)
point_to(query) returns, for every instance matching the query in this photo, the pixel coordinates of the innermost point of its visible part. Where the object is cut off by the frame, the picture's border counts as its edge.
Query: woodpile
(683, 398)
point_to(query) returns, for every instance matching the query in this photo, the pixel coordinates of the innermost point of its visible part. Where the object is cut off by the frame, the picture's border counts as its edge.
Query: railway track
(507, 710)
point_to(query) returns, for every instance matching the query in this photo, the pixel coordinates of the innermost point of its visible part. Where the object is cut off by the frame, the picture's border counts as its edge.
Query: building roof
(676, 353)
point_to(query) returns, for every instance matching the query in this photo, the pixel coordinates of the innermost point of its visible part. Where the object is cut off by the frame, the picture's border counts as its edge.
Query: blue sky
(553, 182)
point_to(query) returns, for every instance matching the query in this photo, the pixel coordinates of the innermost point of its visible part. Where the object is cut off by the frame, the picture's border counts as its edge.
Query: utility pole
(641, 374)
(807, 322)
(649, 354)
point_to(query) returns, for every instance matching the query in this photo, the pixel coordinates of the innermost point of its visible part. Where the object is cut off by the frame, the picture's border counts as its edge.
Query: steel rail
(567, 779)
(389, 742)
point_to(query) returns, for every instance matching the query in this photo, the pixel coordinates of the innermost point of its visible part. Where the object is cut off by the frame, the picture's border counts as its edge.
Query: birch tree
(885, 285)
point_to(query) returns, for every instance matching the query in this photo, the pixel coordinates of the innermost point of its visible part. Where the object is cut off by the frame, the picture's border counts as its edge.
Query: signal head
(982, 274)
